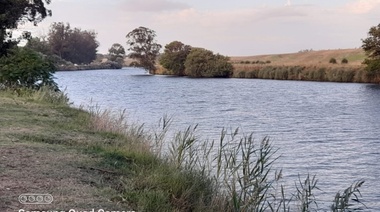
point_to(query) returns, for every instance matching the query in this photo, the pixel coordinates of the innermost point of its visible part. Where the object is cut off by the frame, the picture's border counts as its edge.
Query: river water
(331, 130)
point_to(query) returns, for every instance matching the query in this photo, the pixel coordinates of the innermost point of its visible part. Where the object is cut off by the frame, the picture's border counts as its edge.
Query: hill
(354, 57)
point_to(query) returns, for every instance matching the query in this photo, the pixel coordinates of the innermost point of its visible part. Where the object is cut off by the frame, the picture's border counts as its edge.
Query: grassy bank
(91, 160)
(86, 160)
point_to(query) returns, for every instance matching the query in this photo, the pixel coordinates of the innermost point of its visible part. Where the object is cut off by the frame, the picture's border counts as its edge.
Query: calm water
(328, 129)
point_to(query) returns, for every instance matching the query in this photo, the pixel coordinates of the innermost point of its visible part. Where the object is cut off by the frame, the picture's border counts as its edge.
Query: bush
(204, 63)
(344, 61)
(332, 60)
(23, 67)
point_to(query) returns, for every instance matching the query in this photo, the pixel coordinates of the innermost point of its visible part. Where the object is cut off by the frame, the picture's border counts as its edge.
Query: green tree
(174, 57)
(143, 47)
(204, 63)
(14, 12)
(74, 45)
(39, 45)
(23, 67)
(116, 53)
(371, 46)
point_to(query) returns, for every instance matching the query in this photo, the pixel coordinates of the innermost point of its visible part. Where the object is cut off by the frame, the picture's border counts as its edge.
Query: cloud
(153, 5)
(362, 6)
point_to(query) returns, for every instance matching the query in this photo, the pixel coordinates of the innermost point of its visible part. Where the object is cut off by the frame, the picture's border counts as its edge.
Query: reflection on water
(327, 129)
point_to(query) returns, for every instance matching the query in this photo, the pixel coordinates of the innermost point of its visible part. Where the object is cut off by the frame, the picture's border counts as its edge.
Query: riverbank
(90, 159)
(85, 160)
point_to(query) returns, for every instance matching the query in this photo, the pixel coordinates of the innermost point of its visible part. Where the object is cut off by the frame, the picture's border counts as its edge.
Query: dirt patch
(65, 173)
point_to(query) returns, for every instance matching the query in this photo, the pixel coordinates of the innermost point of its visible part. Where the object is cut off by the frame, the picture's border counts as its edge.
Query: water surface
(327, 129)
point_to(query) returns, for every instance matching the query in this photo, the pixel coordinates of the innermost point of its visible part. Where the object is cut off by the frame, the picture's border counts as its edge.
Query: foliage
(39, 45)
(14, 12)
(116, 53)
(204, 63)
(332, 60)
(23, 67)
(344, 61)
(144, 48)
(371, 46)
(174, 57)
(74, 45)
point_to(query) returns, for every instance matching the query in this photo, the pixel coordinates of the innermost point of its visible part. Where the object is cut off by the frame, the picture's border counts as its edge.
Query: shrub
(24, 67)
(204, 63)
(344, 61)
(332, 60)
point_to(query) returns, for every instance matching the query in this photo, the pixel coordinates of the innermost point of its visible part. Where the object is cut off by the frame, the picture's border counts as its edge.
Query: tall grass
(333, 73)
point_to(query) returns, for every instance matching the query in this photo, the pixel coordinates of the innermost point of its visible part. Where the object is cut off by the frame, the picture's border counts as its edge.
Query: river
(331, 130)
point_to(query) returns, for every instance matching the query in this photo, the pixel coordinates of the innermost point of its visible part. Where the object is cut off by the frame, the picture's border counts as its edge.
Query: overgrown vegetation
(23, 67)
(233, 174)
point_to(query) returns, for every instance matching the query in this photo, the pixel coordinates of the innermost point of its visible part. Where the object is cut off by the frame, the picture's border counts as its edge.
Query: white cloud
(362, 6)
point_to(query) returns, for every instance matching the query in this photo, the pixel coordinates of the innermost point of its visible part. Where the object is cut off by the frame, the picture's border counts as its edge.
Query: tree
(204, 63)
(174, 57)
(74, 45)
(14, 12)
(39, 45)
(371, 46)
(116, 53)
(24, 67)
(144, 48)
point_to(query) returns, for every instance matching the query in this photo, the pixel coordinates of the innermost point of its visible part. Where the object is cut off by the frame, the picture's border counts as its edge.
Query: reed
(324, 73)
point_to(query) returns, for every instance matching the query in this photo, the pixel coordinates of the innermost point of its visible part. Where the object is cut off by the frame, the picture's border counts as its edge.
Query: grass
(90, 159)
(307, 58)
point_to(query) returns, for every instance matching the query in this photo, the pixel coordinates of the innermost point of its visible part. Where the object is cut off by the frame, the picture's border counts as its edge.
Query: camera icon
(36, 199)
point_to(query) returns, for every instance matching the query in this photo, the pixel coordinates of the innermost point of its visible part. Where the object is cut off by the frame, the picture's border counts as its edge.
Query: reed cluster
(332, 73)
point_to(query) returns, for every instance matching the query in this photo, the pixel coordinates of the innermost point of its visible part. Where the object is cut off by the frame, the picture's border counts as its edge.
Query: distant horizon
(238, 28)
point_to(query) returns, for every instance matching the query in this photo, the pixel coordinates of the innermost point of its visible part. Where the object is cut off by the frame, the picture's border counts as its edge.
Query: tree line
(178, 58)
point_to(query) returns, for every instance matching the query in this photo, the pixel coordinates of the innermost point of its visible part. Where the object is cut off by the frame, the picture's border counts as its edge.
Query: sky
(228, 27)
